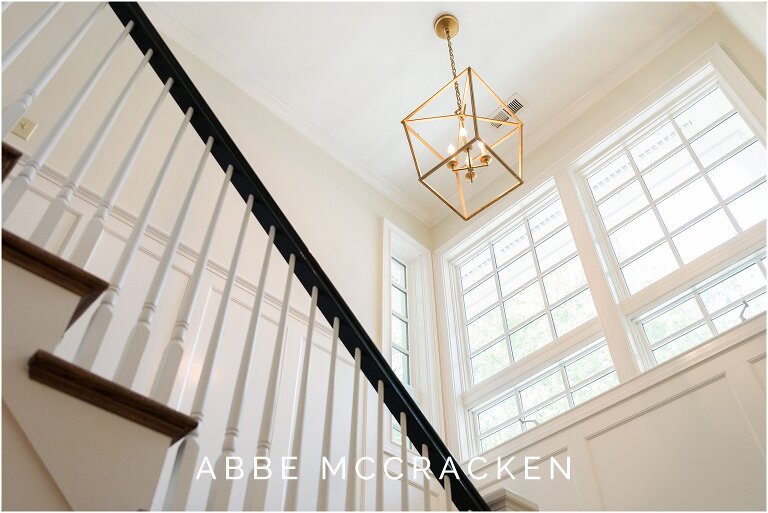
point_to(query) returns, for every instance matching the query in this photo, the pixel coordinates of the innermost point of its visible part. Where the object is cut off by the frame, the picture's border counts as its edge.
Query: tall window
(688, 184)
(522, 289)
(401, 357)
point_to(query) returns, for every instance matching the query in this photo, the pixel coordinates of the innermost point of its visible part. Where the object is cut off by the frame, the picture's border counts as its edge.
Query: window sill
(684, 361)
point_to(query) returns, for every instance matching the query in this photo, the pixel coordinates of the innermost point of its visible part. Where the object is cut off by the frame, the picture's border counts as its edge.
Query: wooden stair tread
(54, 269)
(10, 156)
(70, 379)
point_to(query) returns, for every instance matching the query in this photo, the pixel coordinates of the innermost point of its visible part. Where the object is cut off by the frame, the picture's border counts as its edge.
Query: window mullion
(611, 318)
(547, 307)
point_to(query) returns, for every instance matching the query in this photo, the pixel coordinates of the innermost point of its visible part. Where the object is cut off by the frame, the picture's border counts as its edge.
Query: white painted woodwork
(325, 452)
(55, 211)
(292, 485)
(256, 494)
(165, 377)
(504, 499)
(221, 490)
(182, 476)
(12, 195)
(448, 504)
(139, 336)
(427, 480)
(404, 461)
(16, 109)
(97, 327)
(70, 437)
(90, 236)
(380, 426)
(351, 496)
(21, 43)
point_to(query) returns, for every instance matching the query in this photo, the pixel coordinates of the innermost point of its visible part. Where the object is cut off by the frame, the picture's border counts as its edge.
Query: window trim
(424, 362)
(679, 99)
(613, 318)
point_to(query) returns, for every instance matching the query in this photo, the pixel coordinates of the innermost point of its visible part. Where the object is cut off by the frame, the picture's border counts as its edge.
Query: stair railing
(302, 266)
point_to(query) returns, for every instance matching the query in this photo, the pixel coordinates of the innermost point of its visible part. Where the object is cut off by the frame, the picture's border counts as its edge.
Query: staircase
(97, 439)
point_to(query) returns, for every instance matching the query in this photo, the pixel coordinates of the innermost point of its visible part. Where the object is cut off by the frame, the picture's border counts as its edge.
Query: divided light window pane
(654, 146)
(636, 235)
(508, 315)
(477, 268)
(687, 321)
(703, 113)
(701, 194)
(749, 208)
(721, 139)
(706, 234)
(670, 173)
(589, 372)
(523, 305)
(622, 204)
(610, 177)
(510, 245)
(399, 302)
(686, 204)
(645, 270)
(555, 249)
(398, 274)
(546, 221)
(485, 329)
(565, 279)
(744, 168)
(480, 297)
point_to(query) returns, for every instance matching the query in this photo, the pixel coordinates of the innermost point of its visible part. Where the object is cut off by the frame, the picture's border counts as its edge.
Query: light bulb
(485, 159)
(454, 162)
(463, 136)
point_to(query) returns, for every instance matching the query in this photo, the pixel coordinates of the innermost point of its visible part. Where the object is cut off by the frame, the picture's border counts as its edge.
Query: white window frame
(425, 375)
(645, 348)
(712, 67)
(614, 318)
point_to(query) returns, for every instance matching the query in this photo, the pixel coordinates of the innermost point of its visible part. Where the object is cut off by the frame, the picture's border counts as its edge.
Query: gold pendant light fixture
(458, 137)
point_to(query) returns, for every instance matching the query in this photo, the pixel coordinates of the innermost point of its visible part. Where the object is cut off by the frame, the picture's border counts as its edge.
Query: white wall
(687, 435)
(337, 214)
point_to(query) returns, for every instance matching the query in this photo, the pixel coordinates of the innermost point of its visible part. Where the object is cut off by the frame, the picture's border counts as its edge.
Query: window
(522, 289)
(570, 382)
(712, 307)
(399, 328)
(689, 183)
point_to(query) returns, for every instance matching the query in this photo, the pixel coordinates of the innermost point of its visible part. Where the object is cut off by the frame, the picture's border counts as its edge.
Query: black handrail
(308, 271)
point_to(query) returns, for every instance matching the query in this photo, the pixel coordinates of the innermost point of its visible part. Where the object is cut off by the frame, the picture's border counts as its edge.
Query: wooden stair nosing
(10, 157)
(54, 269)
(75, 381)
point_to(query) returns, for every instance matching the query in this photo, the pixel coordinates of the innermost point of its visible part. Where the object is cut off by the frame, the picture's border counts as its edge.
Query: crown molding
(177, 33)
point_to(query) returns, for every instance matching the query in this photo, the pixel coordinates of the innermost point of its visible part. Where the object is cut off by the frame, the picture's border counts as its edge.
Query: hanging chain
(453, 70)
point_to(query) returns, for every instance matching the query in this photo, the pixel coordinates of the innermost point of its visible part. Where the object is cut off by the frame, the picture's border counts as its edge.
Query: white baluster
(87, 243)
(221, 489)
(292, 485)
(21, 43)
(427, 493)
(139, 336)
(16, 190)
(102, 317)
(351, 502)
(380, 422)
(322, 493)
(186, 457)
(162, 387)
(256, 492)
(56, 209)
(448, 498)
(18, 107)
(404, 458)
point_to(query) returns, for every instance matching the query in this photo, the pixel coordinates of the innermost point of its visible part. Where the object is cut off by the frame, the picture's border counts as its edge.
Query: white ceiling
(345, 74)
